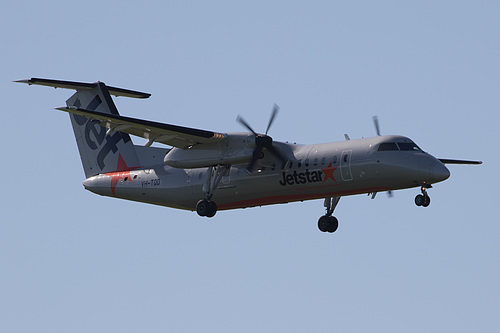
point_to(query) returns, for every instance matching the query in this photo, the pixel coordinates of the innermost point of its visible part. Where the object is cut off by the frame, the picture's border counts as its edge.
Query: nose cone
(440, 172)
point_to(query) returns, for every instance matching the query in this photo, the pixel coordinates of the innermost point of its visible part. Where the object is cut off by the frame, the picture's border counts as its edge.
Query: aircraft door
(345, 165)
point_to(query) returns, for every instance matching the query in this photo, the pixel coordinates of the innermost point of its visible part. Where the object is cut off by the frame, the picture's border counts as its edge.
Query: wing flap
(172, 135)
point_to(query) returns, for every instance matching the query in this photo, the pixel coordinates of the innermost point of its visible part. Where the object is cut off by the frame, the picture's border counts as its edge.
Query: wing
(172, 135)
(448, 161)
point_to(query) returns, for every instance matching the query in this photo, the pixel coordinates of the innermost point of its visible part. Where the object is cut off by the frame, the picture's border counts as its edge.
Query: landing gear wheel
(419, 200)
(422, 200)
(328, 224)
(323, 223)
(206, 208)
(333, 224)
(212, 210)
(202, 207)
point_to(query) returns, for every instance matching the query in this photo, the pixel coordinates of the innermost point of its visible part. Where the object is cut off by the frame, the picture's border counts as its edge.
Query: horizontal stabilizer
(172, 135)
(83, 86)
(448, 161)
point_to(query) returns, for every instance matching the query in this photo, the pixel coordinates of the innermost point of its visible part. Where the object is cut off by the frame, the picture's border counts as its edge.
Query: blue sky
(73, 261)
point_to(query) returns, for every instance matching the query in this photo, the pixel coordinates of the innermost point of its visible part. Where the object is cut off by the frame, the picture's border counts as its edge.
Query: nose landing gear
(423, 199)
(327, 222)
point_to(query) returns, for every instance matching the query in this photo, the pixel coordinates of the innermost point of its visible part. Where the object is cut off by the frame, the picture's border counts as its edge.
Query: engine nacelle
(236, 149)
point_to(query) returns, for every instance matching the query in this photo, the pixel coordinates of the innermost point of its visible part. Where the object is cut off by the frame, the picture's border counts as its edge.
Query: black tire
(203, 207)
(323, 223)
(333, 224)
(419, 200)
(427, 201)
(212, 209)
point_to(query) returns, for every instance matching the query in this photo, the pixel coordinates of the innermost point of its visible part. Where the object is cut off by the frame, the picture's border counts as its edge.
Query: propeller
(263, 141)
(377, 129)
(377, 126)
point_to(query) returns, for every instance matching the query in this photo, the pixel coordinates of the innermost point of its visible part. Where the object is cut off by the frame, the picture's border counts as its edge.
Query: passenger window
(307, 162)
(334, 160)
(323, 160)
(388, 146)
(315, 162)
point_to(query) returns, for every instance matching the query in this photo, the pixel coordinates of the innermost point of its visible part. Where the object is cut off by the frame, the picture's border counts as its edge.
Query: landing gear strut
(423, 199)
(207, 207)
(327, 222)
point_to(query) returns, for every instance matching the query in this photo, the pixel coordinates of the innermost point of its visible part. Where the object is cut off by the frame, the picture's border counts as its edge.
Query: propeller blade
(377, 127)
(276, 108)
(244, 123)
(255, 156)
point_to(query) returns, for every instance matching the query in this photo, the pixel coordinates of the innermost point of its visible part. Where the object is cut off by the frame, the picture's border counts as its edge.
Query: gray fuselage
(316, 171)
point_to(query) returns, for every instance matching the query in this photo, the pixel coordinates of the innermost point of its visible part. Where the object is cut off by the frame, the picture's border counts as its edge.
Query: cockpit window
(408, 146)
(388, 146)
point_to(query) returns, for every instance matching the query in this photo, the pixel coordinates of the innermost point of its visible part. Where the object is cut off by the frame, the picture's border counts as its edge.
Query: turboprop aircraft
(209, 171)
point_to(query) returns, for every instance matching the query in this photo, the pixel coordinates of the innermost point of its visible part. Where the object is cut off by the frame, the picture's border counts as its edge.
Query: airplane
(206, 171)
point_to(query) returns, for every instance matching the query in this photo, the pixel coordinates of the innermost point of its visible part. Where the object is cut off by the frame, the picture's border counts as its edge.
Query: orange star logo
(329, 172)
(122, 172)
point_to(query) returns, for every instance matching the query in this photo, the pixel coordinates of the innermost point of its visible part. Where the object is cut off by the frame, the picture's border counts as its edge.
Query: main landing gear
(423, 199)
(207, 207)
(327, 222)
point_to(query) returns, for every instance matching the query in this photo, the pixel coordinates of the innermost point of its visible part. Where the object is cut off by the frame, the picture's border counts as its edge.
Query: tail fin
(100, 152)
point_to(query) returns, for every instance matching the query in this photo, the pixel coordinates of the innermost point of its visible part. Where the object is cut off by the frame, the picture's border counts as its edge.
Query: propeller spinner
(263, 141)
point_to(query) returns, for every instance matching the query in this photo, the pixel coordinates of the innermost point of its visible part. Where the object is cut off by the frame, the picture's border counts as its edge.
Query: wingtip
(22, 81)
(452, 161)
(66, 108)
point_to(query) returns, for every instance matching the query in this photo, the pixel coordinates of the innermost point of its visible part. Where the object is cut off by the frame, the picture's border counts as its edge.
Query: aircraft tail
(101, 151)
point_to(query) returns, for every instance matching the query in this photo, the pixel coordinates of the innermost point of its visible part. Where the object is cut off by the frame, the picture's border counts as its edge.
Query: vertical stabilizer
(100, 152)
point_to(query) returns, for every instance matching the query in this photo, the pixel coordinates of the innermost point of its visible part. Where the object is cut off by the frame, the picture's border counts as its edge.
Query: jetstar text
(296, 178)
